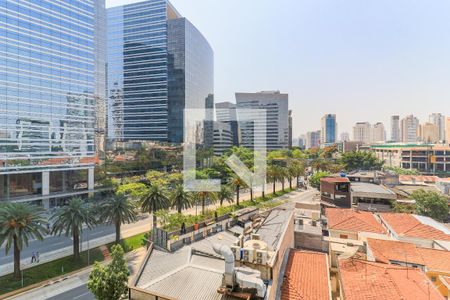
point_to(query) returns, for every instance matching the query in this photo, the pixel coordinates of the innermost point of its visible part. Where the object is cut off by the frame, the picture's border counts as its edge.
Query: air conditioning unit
(261, 257)
(236, 251)
(248, 255)
(256, 237)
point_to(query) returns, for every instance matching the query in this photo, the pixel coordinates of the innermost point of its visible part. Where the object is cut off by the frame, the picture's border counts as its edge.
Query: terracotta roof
(446, 281)
(351, 220)
(418, 178)
(409, 226)
(386, 250)
(369, 280)
(306, 276)
(335, 179)
(435, 260)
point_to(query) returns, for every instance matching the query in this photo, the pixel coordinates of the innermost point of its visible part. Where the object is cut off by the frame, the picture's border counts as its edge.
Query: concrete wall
(140, 294)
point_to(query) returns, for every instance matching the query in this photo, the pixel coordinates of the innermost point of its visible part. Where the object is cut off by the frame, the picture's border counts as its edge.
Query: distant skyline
(363, 61)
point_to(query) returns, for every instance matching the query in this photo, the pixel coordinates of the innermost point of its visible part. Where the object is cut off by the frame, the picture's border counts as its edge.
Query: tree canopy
(431, 204)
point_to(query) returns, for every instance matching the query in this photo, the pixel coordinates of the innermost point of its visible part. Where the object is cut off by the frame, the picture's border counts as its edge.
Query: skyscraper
(313, 139)
(429, 133)
(395, 129)
(276, 106)
(50, 90)
(447, 130)
(328, 129)
(362, 132)
(409, 129)
(378, 133)
(438, 119)
(158, 65)
(226, 113)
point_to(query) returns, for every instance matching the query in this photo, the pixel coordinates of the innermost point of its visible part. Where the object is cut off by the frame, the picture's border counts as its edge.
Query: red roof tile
(435, 260)
(373, 281)
(306, 276)
(335, 179)
(385, 251)
(407, 225)
(351, 220)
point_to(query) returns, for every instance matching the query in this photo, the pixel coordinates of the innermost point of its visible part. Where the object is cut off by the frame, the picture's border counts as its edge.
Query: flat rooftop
(370, 190)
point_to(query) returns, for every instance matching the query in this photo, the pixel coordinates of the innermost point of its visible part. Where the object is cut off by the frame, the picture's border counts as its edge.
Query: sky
(362, 60)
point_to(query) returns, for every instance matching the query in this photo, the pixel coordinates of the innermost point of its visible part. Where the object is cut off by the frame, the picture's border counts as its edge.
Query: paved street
(54, 247)
(75, 287)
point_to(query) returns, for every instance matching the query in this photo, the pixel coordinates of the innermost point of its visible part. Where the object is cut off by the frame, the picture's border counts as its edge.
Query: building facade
(429, 133)
(426, 158)
(328, 129)
(378, 133)
(362, 132)
(409, 129)
(438, 120)
(313, 139)
(50, 89)
(158, 65)
(395, 128)
(223, 138)
(226, 113)
(276, 106)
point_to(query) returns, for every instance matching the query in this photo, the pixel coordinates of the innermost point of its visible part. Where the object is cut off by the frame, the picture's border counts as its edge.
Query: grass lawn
(64, 265)
(48, 270)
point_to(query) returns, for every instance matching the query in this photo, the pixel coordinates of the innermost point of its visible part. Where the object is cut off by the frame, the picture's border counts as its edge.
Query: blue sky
(363, 60)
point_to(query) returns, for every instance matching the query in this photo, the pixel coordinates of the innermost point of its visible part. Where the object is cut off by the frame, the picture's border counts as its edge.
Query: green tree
(203, 196)
(225, 194)
(272, 177)
(401, 171)
(281, 175)
(296, 169)
(110, 282)
(136, 190)
(237, 183)
(360, 160)
(18, 223)
(314, 180)
(155, 199)
(70, 219)
(118, 210)
(431, 204)
(180, 199)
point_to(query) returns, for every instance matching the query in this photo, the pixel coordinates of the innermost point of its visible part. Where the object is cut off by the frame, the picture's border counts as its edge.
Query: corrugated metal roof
(274, 225)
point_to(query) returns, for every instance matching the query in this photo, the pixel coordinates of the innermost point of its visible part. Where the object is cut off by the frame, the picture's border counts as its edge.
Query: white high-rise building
(438, 119)
(378, 133)
(313, 139)
(409, 129)
(345, 137)
(395, 129)
(362, 132)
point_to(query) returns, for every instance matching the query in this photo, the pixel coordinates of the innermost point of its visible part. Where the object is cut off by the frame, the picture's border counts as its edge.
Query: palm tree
(272, 177)
(281, 174)
(206, 195)
(237, 183)
(225, 194)
(118, 210)
(155, 199)
(70, 219)
(18, 223)
(180, 199)
(295, 169)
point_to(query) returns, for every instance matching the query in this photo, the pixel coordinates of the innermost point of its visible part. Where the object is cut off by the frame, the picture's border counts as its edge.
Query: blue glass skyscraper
(158, 65)
(328, 129)
(50, 88)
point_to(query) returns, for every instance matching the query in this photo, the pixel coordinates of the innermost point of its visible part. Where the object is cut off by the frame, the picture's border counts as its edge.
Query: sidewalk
(127, 231)
(78, 280)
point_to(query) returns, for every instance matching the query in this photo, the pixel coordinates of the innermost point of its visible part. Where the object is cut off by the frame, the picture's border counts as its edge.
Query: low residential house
(435, 263)
(366, 176)
(361, 279)
(335, 191)
(372, 197)
(420, 230)
(306, 276)
(351, 224)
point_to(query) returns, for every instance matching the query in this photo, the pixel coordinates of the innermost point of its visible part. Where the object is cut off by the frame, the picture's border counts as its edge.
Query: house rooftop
(306, 276)
(386, 251)
(351, 220)
(408, 225)
(372, 190)
(369, 280)
(335, 179)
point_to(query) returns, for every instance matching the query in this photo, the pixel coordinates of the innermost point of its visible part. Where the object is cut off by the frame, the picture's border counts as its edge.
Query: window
(343, 236)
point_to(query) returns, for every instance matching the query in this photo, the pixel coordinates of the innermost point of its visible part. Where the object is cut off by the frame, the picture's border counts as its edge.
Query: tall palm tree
(18, 223)
(237, 183)
(180, 199)
(118, 210)
(206, 195)
(295, 170)
(272, 177)
(281, 174)
(153, 200)
(70, 219)
(225, 194)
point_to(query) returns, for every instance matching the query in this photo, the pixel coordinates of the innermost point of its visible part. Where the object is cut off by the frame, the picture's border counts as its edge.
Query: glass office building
(49, 93)
(158, 65)
(328, 130)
